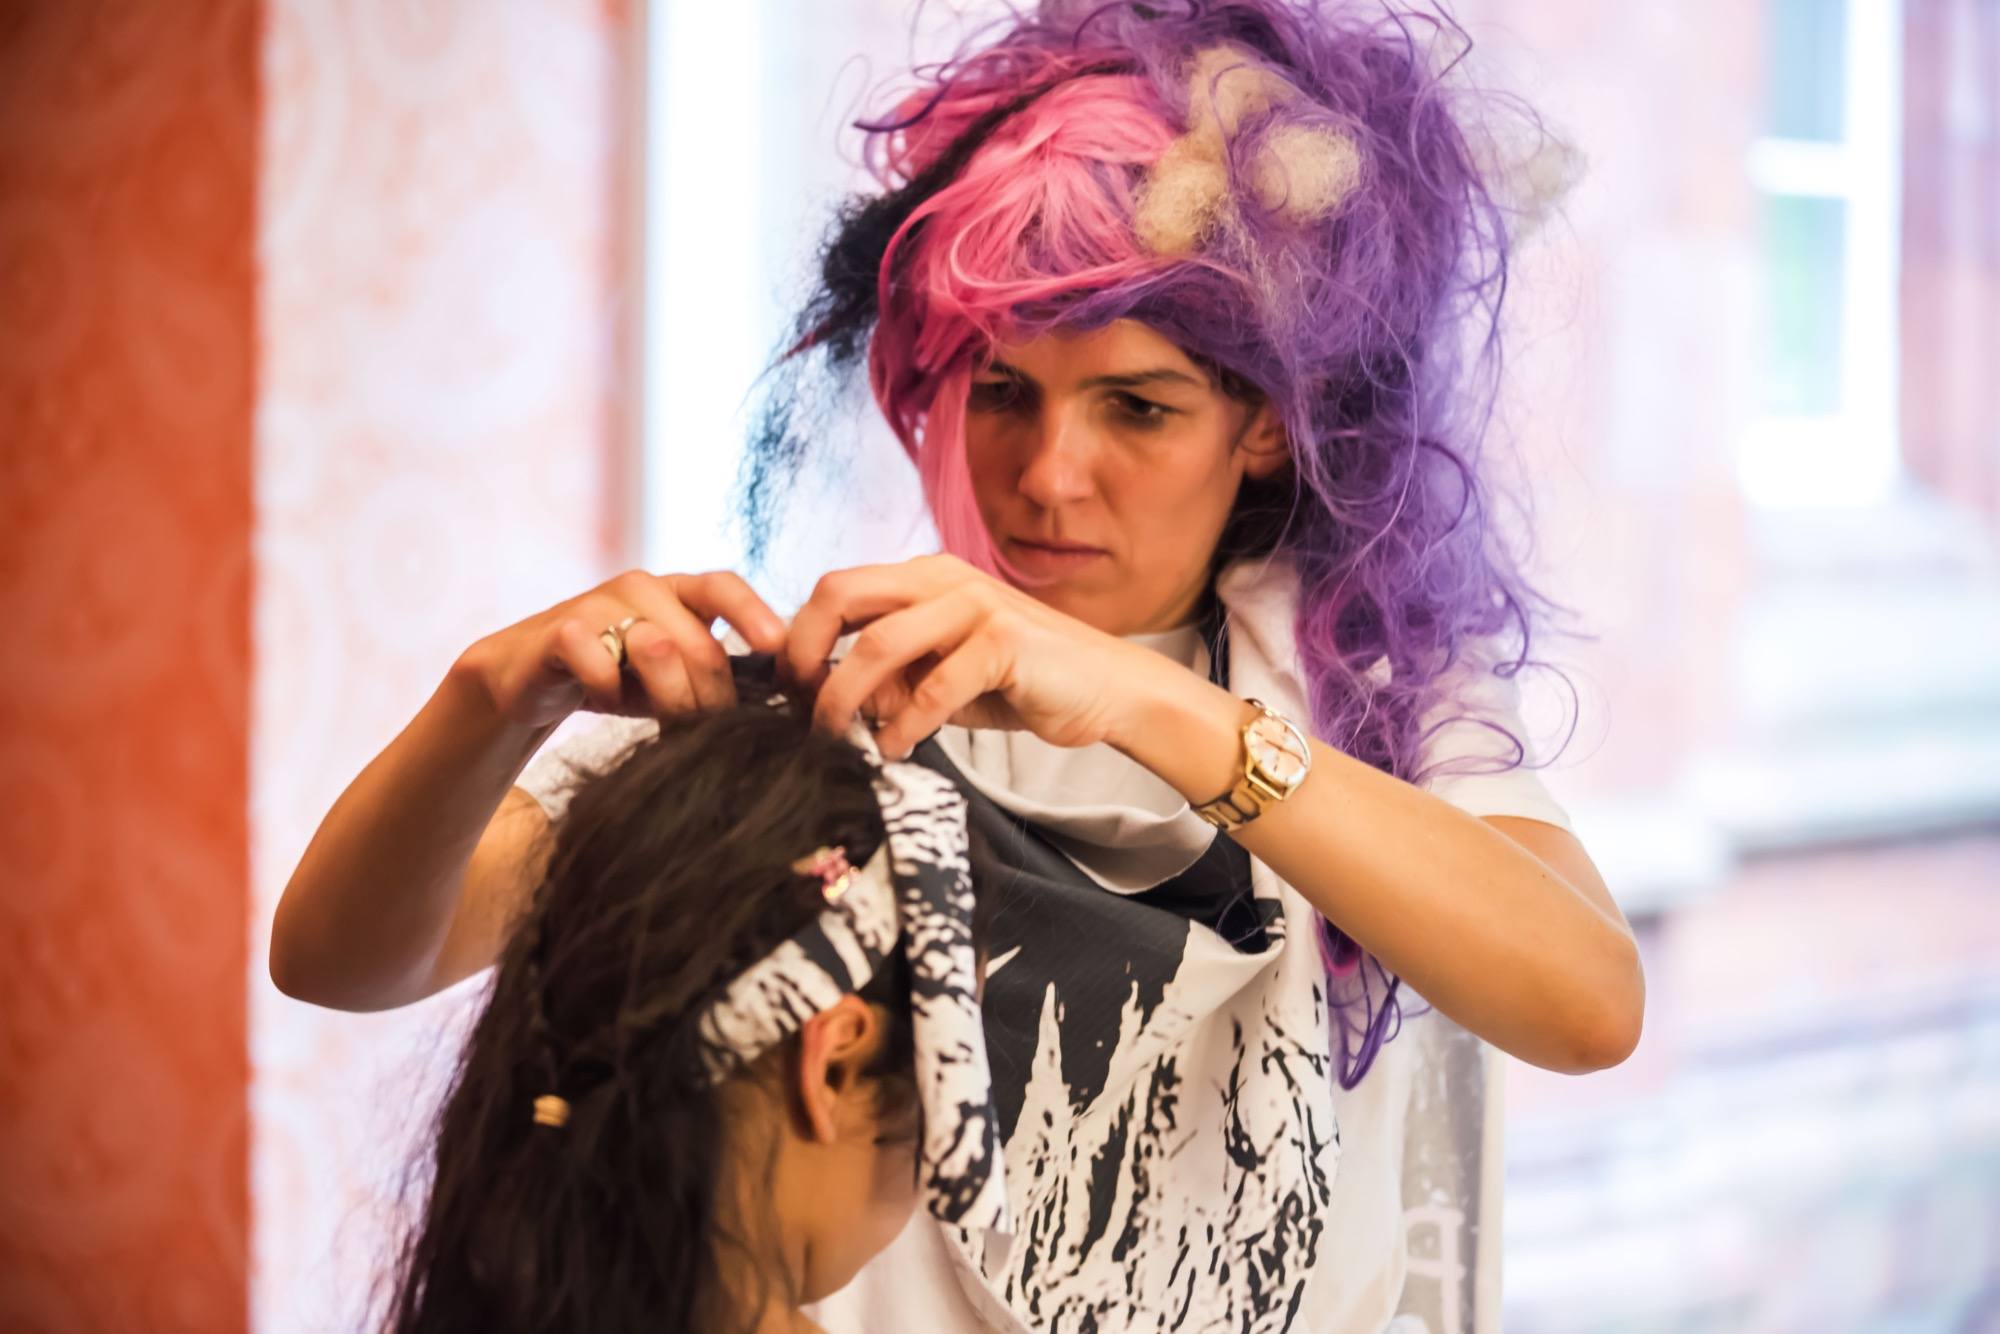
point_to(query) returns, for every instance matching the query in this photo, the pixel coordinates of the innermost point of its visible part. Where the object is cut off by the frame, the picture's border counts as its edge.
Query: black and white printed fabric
(1179, 1153)
(1156, 1015)
(1167, 1097)
(915, 894)
(835, 955)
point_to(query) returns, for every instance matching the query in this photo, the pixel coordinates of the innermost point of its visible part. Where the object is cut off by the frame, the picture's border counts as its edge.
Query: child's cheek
(895, 1194)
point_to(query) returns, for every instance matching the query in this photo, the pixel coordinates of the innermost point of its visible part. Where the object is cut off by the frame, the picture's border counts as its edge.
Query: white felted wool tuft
(1544, 181)
(1530, 180)
(1304, 172)
(1182, 195)
(1225, 89)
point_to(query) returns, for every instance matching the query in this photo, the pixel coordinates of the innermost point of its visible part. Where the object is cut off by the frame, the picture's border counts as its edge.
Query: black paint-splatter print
(915, 895)
(1147, 1196)
(923, 815)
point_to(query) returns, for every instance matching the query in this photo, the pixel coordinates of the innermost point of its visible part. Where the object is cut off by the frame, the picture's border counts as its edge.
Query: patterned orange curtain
(128, 138)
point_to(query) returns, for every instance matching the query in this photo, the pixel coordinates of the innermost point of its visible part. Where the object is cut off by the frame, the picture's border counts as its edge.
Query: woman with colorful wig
(1186, 313)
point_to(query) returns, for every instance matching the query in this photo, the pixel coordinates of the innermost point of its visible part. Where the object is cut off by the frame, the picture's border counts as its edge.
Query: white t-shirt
(1412, 1222)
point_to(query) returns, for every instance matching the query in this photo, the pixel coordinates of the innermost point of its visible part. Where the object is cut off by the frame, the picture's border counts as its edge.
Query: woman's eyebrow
(1128, 380)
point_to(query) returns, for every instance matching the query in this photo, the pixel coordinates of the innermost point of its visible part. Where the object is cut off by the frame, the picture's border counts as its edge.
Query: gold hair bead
(551, 1110)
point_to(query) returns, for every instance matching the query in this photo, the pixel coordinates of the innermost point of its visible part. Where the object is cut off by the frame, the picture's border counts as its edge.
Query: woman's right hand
(539, 671)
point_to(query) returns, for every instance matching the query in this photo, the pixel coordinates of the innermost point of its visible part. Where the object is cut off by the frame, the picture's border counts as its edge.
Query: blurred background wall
(336, 333)
(310, 321)
(1763, 462)
(438, 441)
(128, 193)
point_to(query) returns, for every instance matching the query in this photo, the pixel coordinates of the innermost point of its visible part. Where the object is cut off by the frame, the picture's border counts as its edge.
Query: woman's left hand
(941, 642)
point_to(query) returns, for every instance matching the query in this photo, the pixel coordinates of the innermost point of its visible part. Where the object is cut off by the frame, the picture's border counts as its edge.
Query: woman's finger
(698, 653)
(679, 646)
(658, 674)
(946, 689)
(887, 646)
(726, 596)
(843, 601)
(576, 650)
(893, 695)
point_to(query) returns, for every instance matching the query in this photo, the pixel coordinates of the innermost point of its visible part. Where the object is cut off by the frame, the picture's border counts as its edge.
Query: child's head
(730, 1053)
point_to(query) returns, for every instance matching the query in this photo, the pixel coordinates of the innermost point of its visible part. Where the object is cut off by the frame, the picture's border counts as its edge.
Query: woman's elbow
(1614, 1017)
(290, 972)
(298, 966)
(1606, 1044)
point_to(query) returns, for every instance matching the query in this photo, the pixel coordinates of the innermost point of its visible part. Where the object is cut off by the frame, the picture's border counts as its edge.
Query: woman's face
(1105, 465)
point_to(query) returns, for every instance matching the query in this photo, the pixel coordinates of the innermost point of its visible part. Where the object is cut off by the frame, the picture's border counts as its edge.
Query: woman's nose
(1057, 470)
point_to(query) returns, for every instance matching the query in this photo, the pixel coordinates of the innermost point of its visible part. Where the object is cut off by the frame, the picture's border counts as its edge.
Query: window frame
(1851, 457)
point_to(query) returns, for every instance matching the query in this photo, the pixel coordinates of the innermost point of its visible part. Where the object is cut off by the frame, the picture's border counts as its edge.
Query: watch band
(1258, 789)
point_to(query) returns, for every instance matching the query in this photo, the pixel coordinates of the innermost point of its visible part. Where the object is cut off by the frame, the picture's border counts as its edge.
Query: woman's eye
(993, 395)
(1141, 411)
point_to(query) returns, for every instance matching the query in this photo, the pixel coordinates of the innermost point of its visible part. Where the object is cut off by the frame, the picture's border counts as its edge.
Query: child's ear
(834, 1048)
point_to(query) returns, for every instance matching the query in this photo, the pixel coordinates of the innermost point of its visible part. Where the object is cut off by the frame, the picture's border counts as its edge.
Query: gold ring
(613, 639)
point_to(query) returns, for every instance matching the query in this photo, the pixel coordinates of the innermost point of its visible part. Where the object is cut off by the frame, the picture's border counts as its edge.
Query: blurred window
(1827, 171)
(708, 322)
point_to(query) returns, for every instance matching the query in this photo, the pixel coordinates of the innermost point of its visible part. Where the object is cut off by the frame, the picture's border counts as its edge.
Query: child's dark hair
(669, 875)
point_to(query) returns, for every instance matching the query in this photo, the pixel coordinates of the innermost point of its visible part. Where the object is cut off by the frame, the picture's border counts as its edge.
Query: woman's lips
(1052, 558)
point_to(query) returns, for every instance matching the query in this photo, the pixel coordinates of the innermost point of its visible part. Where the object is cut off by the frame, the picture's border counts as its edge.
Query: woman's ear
(834, 1048)
(1266, 447)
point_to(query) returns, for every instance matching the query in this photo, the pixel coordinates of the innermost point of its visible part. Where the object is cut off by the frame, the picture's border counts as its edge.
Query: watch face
(1278, 752)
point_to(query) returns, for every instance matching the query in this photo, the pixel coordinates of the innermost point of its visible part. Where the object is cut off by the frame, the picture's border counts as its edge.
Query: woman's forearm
(1477, 924)
(372, 904)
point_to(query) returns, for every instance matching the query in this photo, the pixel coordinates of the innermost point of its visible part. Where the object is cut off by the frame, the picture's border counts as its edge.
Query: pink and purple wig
(1011, 181)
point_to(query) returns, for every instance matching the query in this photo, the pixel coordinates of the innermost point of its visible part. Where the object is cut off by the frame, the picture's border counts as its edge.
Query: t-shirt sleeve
(587, 743)
(1480, 757)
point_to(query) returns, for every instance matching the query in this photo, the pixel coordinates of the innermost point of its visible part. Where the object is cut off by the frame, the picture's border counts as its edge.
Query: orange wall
(310, 330)
(127, 189)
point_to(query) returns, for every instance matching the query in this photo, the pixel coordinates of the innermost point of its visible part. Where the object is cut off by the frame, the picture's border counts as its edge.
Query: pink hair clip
(831, 867)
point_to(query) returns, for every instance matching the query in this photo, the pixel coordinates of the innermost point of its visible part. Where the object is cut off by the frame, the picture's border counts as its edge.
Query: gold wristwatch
(1276, 759)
